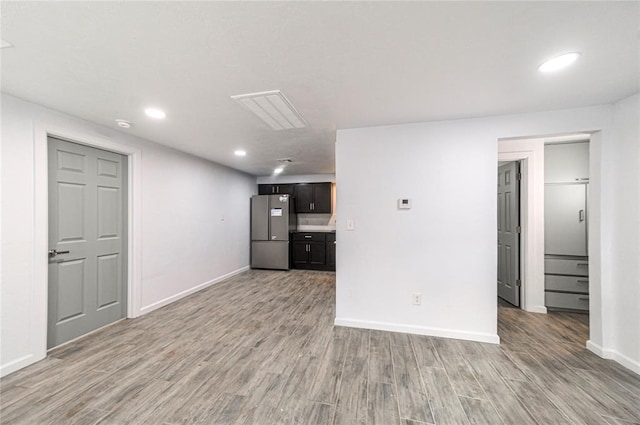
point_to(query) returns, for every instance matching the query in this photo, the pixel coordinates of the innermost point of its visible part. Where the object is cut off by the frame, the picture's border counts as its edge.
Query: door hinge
(518, 229)
(519, 176)
(518, 282)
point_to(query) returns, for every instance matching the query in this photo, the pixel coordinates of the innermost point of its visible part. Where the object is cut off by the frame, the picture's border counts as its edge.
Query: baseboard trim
(418, 330)
(180, 295)
(595, 348)
(537, 309)
(18, 364)
(614, 355)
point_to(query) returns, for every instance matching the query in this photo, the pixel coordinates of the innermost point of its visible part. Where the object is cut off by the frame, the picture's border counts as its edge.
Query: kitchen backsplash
(316, 222)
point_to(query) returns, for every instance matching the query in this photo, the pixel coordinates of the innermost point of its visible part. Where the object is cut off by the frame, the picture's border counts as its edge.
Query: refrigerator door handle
(581, 216)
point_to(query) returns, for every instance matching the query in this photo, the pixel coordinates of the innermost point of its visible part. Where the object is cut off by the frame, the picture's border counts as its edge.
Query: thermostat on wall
(404, 203)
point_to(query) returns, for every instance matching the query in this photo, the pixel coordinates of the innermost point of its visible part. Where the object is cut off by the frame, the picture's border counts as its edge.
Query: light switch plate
(351, 224)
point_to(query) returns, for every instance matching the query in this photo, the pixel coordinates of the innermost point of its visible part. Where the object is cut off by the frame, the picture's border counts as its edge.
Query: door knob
(53, 253)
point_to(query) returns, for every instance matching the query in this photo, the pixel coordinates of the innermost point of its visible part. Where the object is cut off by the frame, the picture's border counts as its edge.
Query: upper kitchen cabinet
(276, 189)
(313, 198)
(566, 163)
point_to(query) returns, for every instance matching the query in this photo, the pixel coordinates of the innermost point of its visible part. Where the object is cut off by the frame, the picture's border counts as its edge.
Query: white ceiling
(342, 65)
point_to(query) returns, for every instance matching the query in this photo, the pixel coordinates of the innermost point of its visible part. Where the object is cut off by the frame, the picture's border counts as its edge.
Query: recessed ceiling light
(123, 123)
(155, 113)
(4, 44)
(240, 152)
(273, 108)
(559, 62)
(278, 170)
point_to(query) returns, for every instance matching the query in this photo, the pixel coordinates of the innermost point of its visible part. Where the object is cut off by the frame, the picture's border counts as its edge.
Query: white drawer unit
(567, 301)
(563, 266)
(577, 284)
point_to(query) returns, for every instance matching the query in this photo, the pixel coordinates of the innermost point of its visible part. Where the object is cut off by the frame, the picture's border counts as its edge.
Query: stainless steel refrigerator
(272, 218)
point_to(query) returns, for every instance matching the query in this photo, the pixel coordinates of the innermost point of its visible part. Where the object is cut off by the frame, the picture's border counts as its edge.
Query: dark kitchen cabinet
(309, 255)
(331, 251)
(300, 255)
(313, 198)
(309, 251)
(276, 189)
(317, 254)
(304, 197)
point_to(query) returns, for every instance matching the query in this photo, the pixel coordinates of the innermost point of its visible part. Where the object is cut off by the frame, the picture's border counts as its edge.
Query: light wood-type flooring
(260, 348)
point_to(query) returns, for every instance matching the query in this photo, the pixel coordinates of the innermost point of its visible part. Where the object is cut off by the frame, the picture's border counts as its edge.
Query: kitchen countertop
(312, 231)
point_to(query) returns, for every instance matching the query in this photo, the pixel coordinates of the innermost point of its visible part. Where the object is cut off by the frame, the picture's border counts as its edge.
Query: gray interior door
(508, 236)
(87, 230)
(565, 219)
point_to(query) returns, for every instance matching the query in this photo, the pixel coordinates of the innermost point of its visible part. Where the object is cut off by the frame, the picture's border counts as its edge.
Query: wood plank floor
(260, 348)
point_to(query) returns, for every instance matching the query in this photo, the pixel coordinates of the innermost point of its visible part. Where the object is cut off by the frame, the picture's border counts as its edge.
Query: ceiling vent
(273, 108)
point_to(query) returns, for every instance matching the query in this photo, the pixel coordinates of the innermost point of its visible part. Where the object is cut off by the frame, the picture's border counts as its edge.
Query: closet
(566, 196)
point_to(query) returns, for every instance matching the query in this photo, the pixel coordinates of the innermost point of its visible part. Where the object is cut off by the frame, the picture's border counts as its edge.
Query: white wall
(196, 225)
(622, 341)
(445, 247)
(185, 244)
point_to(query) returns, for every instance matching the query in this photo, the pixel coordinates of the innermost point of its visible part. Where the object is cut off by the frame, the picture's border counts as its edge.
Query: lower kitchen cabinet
(331, 251)
(308, 254)
(309, 251)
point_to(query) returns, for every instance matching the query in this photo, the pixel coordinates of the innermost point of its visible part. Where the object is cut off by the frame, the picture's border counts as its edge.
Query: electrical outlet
(416, 298)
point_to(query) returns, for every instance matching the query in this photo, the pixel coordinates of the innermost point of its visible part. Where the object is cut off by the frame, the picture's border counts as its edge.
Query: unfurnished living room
(340, 213)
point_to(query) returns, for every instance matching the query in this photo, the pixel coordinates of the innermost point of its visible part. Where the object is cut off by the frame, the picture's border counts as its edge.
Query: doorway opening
(554, 222)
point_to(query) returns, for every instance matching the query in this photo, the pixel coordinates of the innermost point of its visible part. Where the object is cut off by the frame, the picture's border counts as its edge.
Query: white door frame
(530, 153)
(41, 221)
